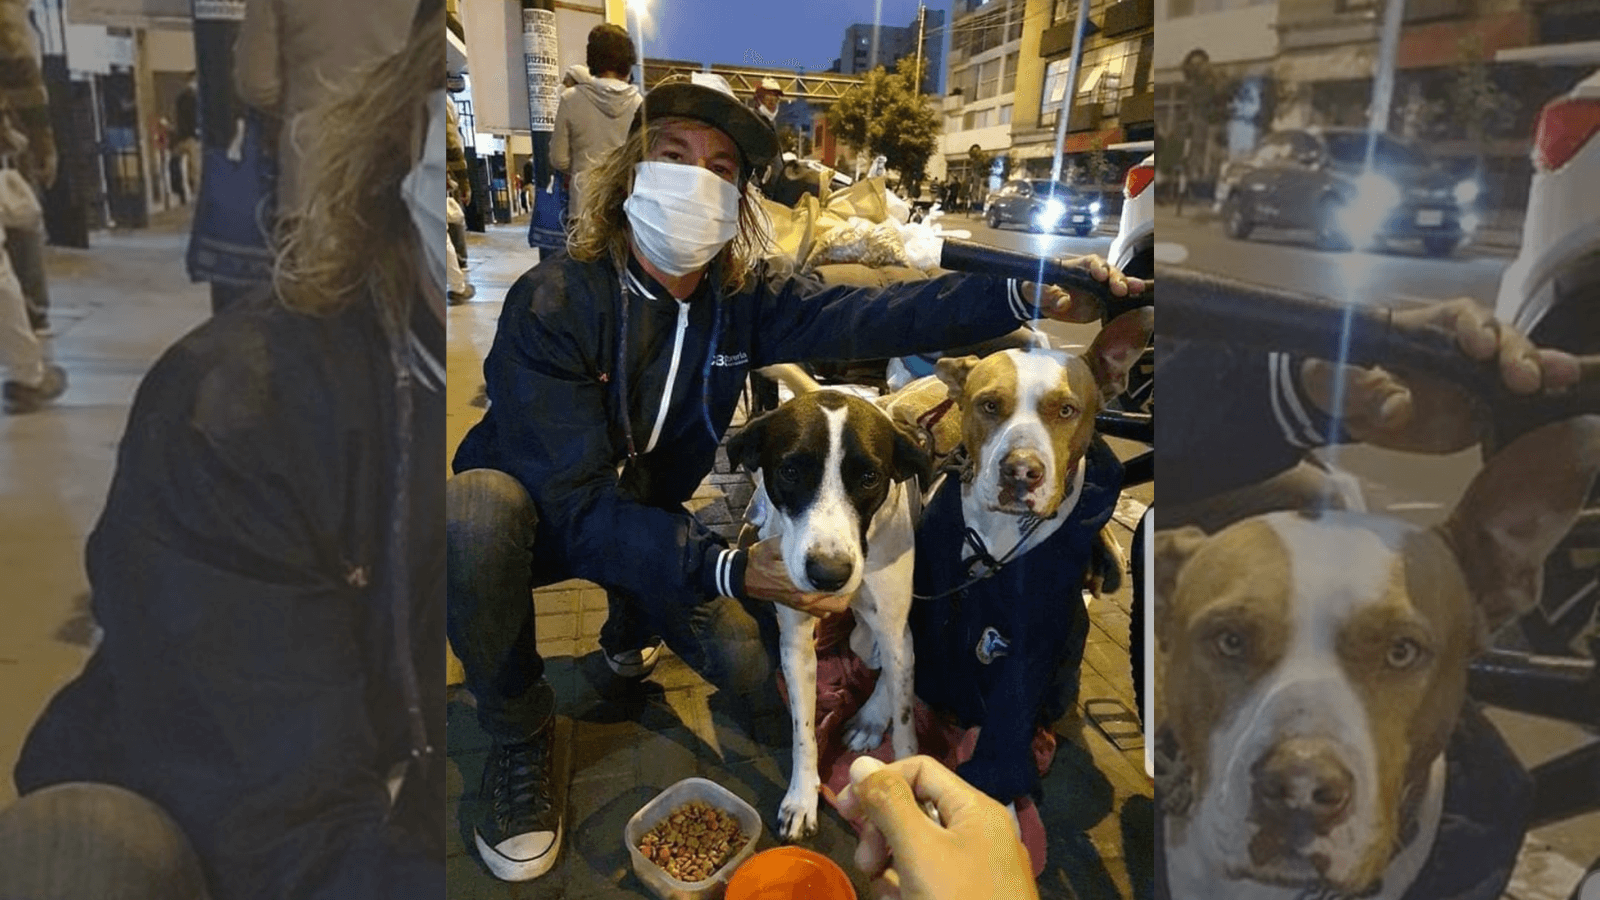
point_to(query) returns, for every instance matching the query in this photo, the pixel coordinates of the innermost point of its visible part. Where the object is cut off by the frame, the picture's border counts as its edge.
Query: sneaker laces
(521, 790)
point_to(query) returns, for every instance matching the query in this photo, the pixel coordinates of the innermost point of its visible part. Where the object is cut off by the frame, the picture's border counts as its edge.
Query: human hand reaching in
(971, 853)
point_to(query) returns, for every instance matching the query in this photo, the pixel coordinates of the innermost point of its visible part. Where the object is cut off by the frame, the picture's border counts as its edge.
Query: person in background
(186, 133)
(264, 717)
(460, 181)
(595, 112)
(765, 101)
(23, 95)
(458, 289)
(293, 54)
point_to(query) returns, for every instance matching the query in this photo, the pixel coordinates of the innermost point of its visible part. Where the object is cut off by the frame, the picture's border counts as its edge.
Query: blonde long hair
(352, 238)
(601, 225)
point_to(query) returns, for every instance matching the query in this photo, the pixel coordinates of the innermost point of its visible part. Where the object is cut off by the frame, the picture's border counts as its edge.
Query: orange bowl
(790, 873)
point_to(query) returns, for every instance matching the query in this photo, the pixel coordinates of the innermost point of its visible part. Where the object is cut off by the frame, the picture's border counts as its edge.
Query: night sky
(802, 33)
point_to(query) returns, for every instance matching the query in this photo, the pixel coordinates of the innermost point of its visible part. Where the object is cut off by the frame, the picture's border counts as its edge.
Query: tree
(886, 116)
(1097, 166)
(979, 162)
(1476, 102)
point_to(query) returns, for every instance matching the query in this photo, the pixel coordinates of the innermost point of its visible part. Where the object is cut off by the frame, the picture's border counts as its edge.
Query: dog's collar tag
(991, 646)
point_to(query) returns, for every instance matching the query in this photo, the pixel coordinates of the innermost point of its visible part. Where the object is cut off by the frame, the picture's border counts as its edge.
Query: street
(1417, 488)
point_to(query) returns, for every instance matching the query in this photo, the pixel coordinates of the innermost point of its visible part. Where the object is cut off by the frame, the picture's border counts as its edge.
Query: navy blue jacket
(1028, 619)
(564, 400)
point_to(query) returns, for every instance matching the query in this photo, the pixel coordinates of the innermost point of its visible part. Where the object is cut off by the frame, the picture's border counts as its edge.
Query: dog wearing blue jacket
(1003, 549)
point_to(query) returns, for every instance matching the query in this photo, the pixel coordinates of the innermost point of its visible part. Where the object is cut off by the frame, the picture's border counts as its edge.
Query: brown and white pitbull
(1027, 417)
(1312, 667)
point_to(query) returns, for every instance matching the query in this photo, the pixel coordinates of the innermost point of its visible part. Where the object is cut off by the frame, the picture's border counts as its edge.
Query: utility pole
(922, 13)
(544, 85)
(1071, 91)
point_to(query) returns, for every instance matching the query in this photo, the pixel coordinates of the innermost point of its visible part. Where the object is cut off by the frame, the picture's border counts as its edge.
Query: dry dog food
(693, 842)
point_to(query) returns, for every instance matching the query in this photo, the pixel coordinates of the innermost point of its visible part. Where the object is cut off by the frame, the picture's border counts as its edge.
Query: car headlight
(1053, 209)
(1094, 206)
(1467, 191)
(1375, 193)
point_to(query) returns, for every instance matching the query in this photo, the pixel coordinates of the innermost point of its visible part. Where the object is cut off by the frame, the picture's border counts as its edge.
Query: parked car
(1133, 249)
(1044, 205)
(1320, 179)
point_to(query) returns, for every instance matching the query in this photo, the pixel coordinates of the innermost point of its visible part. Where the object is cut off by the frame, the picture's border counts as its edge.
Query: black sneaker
(519, 828)
(26, 398)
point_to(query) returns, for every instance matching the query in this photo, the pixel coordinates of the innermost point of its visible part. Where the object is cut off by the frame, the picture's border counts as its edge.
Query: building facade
(980, 100)
(1113, 104)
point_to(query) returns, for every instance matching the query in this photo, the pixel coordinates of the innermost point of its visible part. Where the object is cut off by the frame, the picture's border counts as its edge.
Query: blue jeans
(492, 538)
(79, 840)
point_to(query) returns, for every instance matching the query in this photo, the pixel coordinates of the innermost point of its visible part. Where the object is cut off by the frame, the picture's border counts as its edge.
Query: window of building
(1055, 88)
(988, 78)
(969, 83)
(982, 118)
(1005, 115)
(1141, 71)
(1008, 81)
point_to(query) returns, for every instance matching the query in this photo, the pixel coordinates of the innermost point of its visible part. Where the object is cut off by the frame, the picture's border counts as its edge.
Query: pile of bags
(865, 224)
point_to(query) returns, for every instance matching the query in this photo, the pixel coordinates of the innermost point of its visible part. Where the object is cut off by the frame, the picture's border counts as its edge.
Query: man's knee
(736, 658)
(488, 503)
(77, 840)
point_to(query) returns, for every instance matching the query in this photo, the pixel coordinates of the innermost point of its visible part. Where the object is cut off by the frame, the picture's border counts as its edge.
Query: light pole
(1071, 91)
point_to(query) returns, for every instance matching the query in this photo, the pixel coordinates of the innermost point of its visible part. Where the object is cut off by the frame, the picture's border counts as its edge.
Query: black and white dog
(831, 473)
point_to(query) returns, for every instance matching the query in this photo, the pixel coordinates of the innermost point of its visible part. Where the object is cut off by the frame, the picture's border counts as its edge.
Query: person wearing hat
(765, 102)
(614, 373)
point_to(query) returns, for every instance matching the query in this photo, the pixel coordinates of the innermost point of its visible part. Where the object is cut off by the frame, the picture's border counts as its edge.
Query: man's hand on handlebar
(1420, 413)
(766, 578)
(1080, 306)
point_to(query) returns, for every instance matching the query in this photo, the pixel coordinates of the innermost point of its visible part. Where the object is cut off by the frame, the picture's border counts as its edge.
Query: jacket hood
(614, 98)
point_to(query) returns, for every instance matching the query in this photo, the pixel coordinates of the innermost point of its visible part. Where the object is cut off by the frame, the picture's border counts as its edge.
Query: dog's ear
(1172, 550)
(1117, 347)
(744, 448)
(912, 457)
(1518, 509)
(953, 372)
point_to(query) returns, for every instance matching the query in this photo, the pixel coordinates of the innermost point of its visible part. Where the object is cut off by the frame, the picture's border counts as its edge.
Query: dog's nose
(828, 572)
(1024, 467)
(1303, 782)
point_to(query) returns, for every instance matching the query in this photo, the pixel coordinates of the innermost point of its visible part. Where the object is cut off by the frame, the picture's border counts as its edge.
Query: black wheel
(1439, 246)
(1329, 235)
(1235, 219)
(994, 218)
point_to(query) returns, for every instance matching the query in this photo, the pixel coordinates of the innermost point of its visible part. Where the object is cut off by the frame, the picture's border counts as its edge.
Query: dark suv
(1045, 205)
(1319, 179)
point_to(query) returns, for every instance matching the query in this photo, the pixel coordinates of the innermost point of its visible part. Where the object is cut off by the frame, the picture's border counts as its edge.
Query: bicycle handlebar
(1201, 306)
(969, 256)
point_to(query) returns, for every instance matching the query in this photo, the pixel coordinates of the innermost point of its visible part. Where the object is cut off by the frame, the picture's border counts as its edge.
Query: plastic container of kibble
(690, 790)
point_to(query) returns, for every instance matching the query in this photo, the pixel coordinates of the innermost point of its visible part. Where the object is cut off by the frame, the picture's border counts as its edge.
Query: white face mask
(682, 215)
(423, 189)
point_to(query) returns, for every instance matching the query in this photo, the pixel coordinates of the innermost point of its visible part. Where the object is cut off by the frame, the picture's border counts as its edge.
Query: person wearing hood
(614, 373)
(595, 112)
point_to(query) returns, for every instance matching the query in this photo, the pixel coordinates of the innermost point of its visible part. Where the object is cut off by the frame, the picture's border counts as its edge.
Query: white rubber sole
(642, 669)
(508, 864)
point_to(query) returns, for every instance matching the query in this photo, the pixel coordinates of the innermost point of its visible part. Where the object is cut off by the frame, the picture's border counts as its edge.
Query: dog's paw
(864, 732)
(797, 816)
